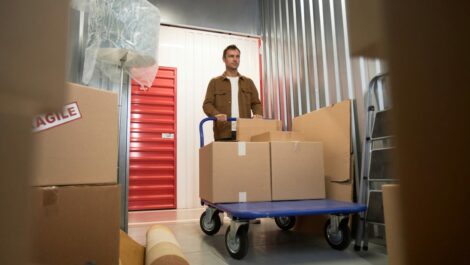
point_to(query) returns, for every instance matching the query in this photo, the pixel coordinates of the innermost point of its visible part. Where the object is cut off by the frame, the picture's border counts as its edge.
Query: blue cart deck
(253, 210)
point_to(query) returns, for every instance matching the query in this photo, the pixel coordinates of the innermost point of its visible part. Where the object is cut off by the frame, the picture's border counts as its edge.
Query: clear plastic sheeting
(121, 33)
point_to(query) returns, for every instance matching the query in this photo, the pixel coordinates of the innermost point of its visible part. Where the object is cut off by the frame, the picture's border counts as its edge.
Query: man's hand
(221, 117)
(256, 116)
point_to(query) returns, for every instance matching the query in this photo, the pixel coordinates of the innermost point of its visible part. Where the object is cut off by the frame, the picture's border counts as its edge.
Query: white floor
(267, 243)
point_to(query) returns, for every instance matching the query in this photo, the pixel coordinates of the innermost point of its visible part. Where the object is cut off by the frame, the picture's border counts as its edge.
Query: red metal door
(152, 157)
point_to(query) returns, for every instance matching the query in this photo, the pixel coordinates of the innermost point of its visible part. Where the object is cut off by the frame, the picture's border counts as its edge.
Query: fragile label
(168, 135)
(241, 148)
(46, 121)
(242, 197)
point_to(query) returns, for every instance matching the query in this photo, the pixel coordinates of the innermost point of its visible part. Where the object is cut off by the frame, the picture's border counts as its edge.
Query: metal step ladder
(376, 166)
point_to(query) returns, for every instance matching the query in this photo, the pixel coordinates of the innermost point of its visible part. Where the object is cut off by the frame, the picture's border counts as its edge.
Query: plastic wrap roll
(121, 32)
(162, 248)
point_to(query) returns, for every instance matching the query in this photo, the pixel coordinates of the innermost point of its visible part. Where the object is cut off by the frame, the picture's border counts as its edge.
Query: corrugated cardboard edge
(266, 137)
(206, 165)
(393, 226)
(130, 252)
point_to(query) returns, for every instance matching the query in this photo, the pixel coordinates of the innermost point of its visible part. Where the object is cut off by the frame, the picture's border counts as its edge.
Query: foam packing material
(162, 248)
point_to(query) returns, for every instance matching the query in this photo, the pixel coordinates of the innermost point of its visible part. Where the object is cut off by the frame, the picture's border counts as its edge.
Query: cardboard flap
(332, 127)
(282, 136)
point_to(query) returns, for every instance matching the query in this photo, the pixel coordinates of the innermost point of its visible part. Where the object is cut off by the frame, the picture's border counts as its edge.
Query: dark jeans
(229, 139)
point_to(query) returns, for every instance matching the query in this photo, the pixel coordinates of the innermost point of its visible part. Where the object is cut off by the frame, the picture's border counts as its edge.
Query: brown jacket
(219, 101)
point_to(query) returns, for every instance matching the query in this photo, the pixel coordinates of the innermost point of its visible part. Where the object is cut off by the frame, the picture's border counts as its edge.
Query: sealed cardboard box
(75, 225)
(79, 144)
(234, 172)
(278, 136)
(246, 128)
(297, 171)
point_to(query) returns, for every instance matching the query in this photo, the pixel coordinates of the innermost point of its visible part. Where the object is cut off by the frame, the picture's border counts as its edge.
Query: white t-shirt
(235, 113)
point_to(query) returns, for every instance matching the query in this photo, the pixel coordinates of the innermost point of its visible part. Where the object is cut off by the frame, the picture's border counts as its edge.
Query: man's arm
(256, 105)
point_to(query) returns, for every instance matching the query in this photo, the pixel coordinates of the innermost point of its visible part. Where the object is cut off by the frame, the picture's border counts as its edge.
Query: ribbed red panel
(152, 157)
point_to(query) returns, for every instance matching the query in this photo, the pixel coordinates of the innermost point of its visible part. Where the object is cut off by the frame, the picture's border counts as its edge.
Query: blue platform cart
(337, 232)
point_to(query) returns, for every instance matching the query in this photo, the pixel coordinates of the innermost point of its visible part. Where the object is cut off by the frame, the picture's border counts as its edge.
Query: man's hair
(230, 47)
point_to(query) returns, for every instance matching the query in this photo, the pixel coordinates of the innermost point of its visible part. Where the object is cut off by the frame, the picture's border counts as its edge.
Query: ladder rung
(382, 149)
(382, 138)
(375, 223)
(384, 180)
(381, 125)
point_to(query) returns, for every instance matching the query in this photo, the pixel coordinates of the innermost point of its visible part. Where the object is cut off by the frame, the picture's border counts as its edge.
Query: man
(231, 95)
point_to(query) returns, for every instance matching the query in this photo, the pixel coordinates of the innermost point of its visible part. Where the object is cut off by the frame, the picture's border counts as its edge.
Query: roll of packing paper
(162, 247)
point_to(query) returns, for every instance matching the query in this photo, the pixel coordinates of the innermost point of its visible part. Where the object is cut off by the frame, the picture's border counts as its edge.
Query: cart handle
(201, 131)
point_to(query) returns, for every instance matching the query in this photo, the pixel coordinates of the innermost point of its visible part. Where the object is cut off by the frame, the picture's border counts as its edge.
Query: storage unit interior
(301, 55)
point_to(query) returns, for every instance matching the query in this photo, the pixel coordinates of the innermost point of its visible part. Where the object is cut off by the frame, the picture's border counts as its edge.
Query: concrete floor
(267, 243)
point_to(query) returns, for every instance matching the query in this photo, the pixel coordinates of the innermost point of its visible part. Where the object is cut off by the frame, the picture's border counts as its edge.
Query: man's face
(232, 59)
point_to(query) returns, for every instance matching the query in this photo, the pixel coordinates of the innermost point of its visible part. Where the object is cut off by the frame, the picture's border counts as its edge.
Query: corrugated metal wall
(306, 59)
(240, 16)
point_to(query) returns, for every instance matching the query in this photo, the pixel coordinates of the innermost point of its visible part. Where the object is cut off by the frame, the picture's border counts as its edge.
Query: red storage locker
(152, 157)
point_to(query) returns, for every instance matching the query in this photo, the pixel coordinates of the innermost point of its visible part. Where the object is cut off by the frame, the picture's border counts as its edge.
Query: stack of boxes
(75, 198)
(311, 162)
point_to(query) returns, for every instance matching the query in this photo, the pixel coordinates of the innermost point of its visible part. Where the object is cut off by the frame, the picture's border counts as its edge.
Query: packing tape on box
(296, 146)
(242, 197)
(50, 196)
(162, 247)
(241, 148)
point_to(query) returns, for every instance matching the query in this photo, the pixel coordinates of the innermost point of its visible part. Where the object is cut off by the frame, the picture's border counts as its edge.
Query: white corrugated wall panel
(197, 55)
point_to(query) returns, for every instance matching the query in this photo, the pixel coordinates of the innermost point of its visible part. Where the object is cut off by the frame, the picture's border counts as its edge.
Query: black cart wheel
(342, 238)
(237, 246)
(209, 225)
(285, 222)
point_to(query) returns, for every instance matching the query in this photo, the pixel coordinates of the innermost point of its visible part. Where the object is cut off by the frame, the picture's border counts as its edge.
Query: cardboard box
(278, 136)
(234, 172)
(15, 162)
(32, 72)
(130, 252)
(75, 225)
(393, 226)
(297, 171)
(34, 58)
(332, 127)
(80, 144)
(250, 127)
(366, 28)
